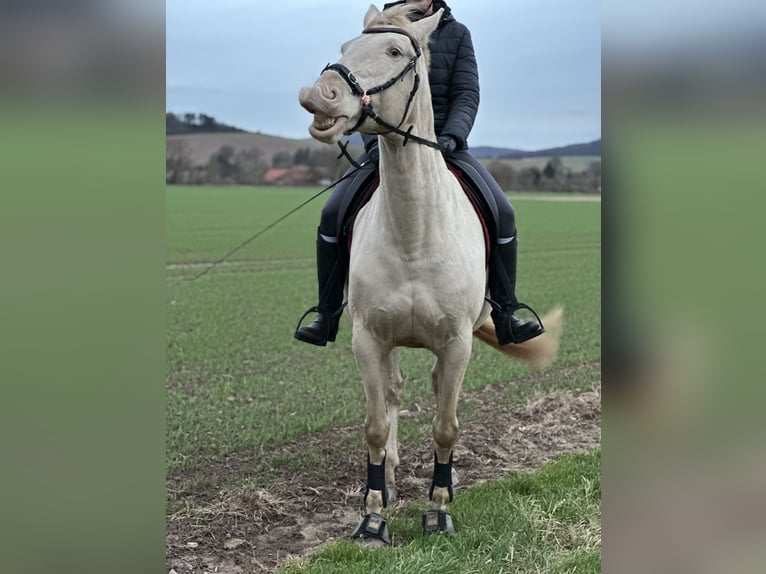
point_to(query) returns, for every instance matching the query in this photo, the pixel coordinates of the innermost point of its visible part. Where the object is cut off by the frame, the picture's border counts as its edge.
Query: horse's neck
(416, 188)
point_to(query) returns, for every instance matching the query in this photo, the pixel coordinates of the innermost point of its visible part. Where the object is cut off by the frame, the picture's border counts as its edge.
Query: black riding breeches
(328, 225)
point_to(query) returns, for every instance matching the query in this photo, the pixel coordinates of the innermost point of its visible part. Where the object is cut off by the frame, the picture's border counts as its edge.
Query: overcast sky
(244, 61)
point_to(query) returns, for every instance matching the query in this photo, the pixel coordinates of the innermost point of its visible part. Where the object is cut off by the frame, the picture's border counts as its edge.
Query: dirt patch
(250, 513)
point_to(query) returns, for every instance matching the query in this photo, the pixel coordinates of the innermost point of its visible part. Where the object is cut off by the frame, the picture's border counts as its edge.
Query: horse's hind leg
(447, 379)
(374, 364)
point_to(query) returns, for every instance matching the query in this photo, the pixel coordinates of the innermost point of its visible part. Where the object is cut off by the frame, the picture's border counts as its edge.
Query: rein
(364, 95)
(285, 216)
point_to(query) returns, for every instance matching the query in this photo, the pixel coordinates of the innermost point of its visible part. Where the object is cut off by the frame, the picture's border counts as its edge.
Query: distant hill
(202, 144)
(582, 149)
(484, 151)
(489, 152)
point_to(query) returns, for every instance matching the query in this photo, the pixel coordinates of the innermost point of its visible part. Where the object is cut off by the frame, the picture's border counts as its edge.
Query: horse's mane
(399, 16)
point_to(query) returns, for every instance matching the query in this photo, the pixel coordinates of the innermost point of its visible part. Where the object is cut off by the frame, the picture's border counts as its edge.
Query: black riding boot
(331, 276)
(502, 287)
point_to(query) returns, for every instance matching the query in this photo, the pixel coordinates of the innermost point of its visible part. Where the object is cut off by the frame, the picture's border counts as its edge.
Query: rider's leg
(502, 290)
(502, 267)
(331, 269)
(331, 275)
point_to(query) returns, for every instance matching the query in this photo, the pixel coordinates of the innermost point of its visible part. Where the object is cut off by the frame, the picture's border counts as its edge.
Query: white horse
(417, 275)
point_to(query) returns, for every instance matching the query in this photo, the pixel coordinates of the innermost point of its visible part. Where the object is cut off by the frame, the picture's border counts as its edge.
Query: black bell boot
(502, 291)
(331, 276)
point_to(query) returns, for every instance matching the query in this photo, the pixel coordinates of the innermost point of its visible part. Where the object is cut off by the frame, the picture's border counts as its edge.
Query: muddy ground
(249, 514)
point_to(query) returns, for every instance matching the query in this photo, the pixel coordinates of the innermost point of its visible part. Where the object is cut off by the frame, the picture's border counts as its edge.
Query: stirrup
(319, 337)
(511, 329)
(313, 309)
(528, 308)
(331, 327)
(513, 308)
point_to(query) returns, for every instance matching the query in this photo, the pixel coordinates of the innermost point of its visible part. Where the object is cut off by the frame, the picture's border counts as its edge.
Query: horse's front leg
(393, 404)
(447, 379)
(372, 361)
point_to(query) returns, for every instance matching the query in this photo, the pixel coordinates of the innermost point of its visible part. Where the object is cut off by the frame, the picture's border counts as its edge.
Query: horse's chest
(408, 325)
(411, 313)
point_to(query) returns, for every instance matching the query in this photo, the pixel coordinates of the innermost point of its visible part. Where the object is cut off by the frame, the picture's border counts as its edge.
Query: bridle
(364, 95)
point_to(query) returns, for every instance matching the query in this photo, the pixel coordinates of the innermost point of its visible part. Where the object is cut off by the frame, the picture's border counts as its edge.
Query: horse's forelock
(397, 16)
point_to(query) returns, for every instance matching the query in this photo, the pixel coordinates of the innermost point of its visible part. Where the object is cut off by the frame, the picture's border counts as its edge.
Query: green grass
(546, 521)
(237, 380)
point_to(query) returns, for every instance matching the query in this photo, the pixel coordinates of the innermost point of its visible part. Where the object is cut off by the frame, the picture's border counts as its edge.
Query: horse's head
(380, 70)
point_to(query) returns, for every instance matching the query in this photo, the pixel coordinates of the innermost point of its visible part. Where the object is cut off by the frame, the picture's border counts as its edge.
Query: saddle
(366, 182)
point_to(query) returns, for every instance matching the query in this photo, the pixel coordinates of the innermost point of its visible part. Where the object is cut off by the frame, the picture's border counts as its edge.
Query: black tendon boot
(502, 287)
(331, 276)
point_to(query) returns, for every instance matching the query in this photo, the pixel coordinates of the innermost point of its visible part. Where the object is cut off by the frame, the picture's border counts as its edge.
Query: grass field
(547, 521)
(239, 385)
(231, 357)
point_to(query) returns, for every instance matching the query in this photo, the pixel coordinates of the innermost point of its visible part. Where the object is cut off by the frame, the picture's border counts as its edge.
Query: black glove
(374, 153)
(447, 143)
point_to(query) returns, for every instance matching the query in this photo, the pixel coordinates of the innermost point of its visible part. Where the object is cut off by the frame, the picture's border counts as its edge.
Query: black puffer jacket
(453, 76)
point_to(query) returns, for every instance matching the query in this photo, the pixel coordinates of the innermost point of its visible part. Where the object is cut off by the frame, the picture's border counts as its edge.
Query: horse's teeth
(323, 123)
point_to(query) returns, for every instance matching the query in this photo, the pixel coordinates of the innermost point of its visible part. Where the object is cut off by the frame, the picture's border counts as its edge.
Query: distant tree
(327, 160)
(593, 177)
(529, 178)
(503, 173)
(190, 123)
(207, 123)
(174, 125)
(177, 161)
(281, 159)
(251, 166)
(302, 157)
(222, 166)
(554, 168)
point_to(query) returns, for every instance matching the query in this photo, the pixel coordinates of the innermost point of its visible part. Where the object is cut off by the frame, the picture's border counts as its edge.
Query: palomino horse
(417, 275)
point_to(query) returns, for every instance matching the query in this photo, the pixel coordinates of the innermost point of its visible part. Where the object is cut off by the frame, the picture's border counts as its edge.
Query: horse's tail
(537, 353)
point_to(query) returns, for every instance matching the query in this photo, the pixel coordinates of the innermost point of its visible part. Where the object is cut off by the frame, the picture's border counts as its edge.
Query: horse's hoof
(438, 522)
(392, 494)
(372, 530)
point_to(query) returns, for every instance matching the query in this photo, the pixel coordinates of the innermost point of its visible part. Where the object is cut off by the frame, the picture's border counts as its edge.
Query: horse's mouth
(326, 129)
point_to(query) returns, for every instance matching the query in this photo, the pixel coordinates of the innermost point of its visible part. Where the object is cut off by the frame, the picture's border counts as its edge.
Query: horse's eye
(395, 53)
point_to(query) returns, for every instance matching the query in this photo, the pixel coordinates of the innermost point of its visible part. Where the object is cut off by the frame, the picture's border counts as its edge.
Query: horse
(417, 264)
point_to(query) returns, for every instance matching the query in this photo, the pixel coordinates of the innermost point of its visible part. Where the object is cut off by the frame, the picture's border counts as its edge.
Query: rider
(454, 82)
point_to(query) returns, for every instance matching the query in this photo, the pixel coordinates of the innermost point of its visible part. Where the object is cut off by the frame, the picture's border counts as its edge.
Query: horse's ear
(371, 13)
(425, 26)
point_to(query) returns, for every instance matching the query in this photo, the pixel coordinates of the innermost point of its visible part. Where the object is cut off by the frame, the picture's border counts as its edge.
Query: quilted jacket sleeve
(464, 92)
